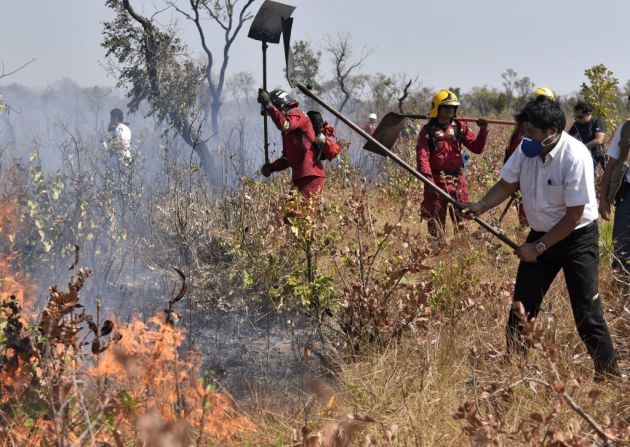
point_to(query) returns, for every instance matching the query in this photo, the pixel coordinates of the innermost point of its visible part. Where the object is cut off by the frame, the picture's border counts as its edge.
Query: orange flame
(146, 368)
(13, 280)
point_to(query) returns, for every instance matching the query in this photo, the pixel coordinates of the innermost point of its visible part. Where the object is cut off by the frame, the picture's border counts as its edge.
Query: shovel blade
(267, 25)
(287, 24)
(387, 132)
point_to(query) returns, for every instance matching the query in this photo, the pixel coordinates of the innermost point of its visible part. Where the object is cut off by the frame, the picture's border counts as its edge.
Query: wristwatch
(540, 247)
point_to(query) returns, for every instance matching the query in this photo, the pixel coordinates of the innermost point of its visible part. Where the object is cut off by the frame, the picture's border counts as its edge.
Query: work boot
(603, 377)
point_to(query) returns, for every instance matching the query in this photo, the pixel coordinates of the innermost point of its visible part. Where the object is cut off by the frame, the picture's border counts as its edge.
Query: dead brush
(339, 425)
(41, 364)
(70, 380)
(489, 426)
(418, 380)
(378, 297)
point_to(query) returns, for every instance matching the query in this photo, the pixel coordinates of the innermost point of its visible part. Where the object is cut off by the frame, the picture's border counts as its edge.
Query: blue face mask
(533, 148)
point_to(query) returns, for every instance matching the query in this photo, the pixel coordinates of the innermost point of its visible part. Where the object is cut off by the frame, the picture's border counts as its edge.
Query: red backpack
(325, 145)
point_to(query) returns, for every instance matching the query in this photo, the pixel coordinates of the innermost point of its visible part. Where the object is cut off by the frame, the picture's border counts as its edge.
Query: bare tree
(345, 67)
(158, 68)
(509, 77)
(225, 14)
(404, 88)
(4, 74)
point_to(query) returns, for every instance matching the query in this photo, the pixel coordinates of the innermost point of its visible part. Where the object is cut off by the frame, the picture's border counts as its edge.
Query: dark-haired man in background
(590, 131)
(557, 184)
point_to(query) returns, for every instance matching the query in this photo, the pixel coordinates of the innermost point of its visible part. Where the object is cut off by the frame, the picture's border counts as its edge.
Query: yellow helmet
(442, 98)
(544, 91)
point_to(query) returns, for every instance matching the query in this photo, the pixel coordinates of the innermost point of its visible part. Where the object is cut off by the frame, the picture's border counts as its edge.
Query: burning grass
(13, 280)
(67, 379)
(148, 378)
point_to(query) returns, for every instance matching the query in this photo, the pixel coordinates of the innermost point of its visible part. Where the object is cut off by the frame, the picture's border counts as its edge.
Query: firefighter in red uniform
(515, 141)
(298, 140)
(439, 158)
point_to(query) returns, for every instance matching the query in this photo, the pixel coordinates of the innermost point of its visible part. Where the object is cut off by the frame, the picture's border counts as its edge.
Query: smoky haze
(462, 44)
(67, 91)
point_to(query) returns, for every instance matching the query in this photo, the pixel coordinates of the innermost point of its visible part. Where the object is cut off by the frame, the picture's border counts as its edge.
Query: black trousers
(578, 257)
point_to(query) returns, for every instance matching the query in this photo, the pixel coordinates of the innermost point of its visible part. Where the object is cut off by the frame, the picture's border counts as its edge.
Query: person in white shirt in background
(119, 140)
(616, 190)
(555, 173)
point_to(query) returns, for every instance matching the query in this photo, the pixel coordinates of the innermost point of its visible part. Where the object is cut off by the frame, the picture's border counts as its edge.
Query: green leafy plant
(602, 92)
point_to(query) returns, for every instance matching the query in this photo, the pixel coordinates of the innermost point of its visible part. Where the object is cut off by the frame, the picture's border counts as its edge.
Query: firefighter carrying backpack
(432, 137)
(325, 145)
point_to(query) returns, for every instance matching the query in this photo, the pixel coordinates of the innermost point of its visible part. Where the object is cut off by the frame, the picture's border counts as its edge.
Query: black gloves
(266, 169)
(263, 97)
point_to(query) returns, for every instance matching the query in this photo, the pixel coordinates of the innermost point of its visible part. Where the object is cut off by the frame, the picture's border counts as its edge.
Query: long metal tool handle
(506, 240)
(462, 118)
(265, 128)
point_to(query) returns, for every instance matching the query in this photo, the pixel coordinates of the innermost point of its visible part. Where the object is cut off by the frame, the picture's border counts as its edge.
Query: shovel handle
(490, 121)
(265, 123)
(498, 233)
(468, 119)
(502, 237)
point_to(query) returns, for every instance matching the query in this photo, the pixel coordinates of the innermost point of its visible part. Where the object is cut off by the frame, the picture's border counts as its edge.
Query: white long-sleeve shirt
(564, 179)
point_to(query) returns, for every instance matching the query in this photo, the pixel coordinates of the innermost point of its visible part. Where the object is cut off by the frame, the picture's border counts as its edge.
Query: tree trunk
(215, 108)
(346, 98)
(200, 148)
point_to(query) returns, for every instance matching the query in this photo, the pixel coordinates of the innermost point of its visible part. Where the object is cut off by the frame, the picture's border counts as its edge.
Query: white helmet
(372, 116)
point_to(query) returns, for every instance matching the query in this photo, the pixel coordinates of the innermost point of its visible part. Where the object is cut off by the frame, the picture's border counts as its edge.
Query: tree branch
(3, 75)
(579, 410)
(341, 51)
(405, 93)
(194, 4)
(149, 45)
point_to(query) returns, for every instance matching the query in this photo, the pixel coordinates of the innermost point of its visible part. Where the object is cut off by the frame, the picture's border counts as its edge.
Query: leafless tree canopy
(346, 67)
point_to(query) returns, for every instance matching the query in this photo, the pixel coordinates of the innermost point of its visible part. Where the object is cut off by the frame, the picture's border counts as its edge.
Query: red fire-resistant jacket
(447, 154)
(297, 139)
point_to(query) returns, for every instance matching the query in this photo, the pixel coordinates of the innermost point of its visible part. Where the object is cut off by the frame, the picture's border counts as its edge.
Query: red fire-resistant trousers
(310, 186)
(434, 207)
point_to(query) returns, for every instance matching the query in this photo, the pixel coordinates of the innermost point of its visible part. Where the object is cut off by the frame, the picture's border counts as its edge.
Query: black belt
(583, 230)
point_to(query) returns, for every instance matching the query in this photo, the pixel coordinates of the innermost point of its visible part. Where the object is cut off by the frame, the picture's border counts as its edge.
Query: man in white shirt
(120, 139)
(616, 188)
(555, 174)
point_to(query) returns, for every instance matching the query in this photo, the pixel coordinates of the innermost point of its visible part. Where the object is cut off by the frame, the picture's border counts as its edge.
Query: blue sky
(458, 43)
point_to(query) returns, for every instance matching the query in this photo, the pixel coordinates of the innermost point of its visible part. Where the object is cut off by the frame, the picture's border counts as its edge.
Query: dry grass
(418, 382)
(415, 384)
(417, 331)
